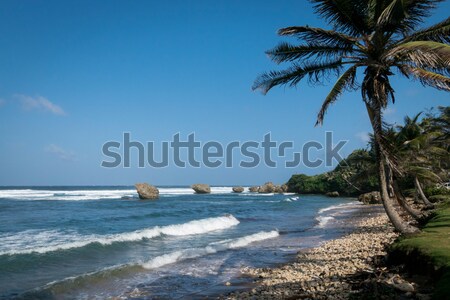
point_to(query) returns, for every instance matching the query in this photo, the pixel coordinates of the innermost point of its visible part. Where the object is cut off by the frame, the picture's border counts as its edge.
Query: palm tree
(377, 38)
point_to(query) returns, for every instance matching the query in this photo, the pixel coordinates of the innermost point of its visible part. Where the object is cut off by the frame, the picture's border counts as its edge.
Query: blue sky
(76, 74)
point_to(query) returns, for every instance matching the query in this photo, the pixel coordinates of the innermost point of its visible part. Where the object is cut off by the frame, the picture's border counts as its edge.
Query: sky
(75, 75)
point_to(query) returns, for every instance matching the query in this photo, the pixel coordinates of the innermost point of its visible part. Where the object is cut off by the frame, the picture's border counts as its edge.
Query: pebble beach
(331, 271)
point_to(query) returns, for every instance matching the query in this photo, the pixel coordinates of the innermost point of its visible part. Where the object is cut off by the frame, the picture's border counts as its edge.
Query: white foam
(30, 241)
(323, 221)
(353, 204)
(291, 199)
(256, 194)
(77, 195)
(184, 254)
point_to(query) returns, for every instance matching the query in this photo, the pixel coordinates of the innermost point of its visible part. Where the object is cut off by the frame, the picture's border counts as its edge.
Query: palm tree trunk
(390, 180)
(424, 198)
(396, 220)
(401, 199)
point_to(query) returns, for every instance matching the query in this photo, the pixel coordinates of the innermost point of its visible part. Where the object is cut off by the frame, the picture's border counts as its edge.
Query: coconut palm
(375, 38)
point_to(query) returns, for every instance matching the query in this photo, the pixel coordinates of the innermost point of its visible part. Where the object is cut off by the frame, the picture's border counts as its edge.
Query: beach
(337, 269)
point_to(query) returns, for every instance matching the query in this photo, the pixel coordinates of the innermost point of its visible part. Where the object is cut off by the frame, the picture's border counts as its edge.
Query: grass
(430, 249)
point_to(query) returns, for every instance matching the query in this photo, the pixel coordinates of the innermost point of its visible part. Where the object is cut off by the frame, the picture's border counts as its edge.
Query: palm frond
(429, 78)
(391, 16)
(423, 54)
(423, 173)
(286, 52)
(416, 11)
(347, 16)
(316, 72)
(374, 9)
(319, 36)
(439, 32)
(346, 80)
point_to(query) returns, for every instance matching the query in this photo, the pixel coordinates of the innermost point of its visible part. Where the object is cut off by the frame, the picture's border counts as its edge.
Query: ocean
(103, 242)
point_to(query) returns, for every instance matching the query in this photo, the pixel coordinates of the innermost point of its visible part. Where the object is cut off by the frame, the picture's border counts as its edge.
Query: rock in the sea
(266, 188)
(201, 188)
(370, 198)
(147, 191)
(277, 189)
(253, 189)
(238, 189)
(333, 194)
(284, 188)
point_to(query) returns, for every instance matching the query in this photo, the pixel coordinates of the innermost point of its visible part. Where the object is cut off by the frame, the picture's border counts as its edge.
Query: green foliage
(353, 176)
(440, 198)
(304, 184)
(431, 246)
(421, 149)
(436, 190)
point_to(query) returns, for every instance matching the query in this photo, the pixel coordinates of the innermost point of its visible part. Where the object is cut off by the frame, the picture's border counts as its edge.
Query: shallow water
(88, 242)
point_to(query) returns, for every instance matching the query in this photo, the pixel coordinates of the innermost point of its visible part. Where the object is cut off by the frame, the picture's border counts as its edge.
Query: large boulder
(253, 189)
(266, 188)
(238, 189)
(370, 198)
(333, 194)
(201, 188)
(280, 189)
(147, 191)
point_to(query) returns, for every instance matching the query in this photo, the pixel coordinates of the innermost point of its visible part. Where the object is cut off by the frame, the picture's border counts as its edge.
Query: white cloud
(363, 136)
(60, 152)
(40, 103)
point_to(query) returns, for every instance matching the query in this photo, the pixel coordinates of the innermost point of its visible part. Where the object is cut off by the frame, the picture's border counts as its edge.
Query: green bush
(439, 198)
(304, 184)
(353, 176)
(436, 190)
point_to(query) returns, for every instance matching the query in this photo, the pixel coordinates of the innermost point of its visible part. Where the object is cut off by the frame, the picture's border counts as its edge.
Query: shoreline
(328, 271)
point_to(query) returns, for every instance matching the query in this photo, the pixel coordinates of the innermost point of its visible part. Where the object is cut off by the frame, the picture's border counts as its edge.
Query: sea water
(103, 242)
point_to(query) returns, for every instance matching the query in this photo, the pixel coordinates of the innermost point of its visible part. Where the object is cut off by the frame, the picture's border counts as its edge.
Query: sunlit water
(90, 242)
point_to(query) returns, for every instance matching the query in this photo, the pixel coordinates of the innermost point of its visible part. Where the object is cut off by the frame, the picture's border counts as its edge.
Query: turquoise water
(90, 242)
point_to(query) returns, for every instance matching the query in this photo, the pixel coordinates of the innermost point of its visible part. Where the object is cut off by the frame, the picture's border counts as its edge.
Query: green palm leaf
(292, 76)
(345, 15)
(319, 36)
(437, 33)
(286, 52)
(345, 81)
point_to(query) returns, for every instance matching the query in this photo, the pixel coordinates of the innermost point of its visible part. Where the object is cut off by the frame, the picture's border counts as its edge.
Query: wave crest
(33, 241)
(180, 255)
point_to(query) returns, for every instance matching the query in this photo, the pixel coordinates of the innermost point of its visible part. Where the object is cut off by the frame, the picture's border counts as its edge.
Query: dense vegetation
(421, 148)
(353, 176)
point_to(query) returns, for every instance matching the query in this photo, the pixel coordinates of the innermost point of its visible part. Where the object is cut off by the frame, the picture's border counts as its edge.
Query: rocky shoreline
(343, 268)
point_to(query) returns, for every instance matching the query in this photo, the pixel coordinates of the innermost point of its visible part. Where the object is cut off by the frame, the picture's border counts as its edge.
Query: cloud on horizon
(39, 103)
(60, 152)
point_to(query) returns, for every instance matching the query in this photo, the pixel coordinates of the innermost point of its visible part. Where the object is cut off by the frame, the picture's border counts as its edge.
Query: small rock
(253, 189)
(201, 188)
(238, 189)
(333, 194)
(147, 191)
